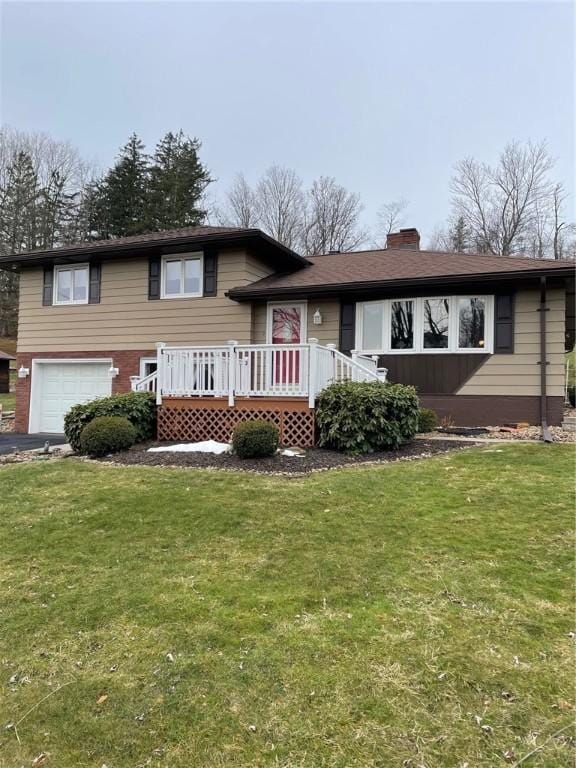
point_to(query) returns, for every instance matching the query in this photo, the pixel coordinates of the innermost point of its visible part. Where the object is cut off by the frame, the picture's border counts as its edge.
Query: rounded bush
(255, 439)
(107, 434)
(363, 417)
(427, 420)
(138, 407)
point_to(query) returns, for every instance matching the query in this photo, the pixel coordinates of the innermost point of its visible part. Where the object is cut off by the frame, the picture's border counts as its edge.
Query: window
(434, 325)
(436, 320)
(372, 326)
(71, 285)
(402, 324)
(471, 323)
(147, 366)
(182, 276)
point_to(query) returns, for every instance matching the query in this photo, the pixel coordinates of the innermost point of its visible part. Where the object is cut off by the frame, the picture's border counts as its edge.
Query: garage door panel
(60, 386)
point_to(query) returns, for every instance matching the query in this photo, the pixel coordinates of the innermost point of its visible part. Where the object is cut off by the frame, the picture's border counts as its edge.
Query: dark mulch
(315, 458)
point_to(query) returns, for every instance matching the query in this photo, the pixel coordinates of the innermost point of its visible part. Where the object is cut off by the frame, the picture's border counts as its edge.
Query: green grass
(8, 401)
(362, 617)
(571, 357)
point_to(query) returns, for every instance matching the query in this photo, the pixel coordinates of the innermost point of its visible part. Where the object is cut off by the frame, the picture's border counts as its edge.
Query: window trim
(70, 268)
(182, 257)
(302, 305)
(418, 348)
(144, 361)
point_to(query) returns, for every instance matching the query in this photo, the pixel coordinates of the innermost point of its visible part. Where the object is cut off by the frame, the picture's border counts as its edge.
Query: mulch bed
(316, 459)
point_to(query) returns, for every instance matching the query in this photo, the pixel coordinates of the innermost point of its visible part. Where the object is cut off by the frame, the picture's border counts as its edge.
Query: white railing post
(312, 370)
(159, 372)
(133, 382)
(354, 355)
(231, 370)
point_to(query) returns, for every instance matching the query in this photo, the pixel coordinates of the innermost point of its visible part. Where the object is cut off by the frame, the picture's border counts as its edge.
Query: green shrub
(138, 407)
(427, 420)
(358, 417)
(107, 434)
(255, 439)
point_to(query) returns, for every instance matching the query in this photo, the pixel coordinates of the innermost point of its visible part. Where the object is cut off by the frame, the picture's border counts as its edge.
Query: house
(224, 322)
(5, 360)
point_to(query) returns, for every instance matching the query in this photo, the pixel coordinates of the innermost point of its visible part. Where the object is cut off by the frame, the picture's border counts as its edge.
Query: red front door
(287, 328)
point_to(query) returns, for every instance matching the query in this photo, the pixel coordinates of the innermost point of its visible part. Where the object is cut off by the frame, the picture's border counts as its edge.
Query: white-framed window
(71, 284)
(431, 324)
(147, 366)
(182, 276)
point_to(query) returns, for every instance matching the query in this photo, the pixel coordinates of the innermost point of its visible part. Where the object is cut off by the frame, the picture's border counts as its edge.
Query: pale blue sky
(386, 97)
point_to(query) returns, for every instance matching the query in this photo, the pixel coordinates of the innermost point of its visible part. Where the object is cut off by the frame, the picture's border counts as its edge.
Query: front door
(286, 325)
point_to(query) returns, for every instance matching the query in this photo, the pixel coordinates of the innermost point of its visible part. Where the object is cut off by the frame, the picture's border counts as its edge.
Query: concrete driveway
(13, 441)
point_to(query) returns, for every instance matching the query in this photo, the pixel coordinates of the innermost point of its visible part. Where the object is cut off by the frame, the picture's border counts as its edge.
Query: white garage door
(59, 386)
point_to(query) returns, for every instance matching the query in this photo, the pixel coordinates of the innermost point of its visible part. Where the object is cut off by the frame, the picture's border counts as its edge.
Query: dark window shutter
(504, 323)
(210, 273)
(154, 267)
(94, 285)
(347, 327)
(48, 286)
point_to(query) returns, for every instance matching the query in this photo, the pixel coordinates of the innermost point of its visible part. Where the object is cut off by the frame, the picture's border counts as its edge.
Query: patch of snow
(207, 446)
(288, 452)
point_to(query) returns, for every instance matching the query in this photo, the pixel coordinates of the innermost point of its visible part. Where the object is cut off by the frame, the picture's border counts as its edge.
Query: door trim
(35, 403)
(304, 318)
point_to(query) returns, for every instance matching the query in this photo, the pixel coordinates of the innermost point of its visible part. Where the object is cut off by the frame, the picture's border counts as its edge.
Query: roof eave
(335, 289)
(117, 248)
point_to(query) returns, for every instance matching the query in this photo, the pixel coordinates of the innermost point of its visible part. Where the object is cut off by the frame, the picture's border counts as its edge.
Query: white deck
(254, 370)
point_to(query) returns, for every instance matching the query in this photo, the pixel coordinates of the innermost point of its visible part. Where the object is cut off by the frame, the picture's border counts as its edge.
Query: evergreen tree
(459, 237)
(177, 182)
(119, 203)
(18, 213)
(18, 205)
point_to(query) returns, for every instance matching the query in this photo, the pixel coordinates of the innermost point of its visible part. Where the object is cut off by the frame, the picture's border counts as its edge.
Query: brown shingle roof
(355, 269)
(167, 234)
(201, 235)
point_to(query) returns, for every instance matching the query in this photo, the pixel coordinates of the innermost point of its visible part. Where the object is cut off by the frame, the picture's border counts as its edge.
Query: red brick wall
(128, 363)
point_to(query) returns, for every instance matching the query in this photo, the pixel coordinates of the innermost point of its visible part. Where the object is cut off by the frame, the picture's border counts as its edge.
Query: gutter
(546, 434)
(249, 293)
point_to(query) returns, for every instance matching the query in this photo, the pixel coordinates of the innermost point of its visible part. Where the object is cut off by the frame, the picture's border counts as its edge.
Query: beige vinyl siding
(126, 319)
(256, 269)
(519, 373)
(327, 333)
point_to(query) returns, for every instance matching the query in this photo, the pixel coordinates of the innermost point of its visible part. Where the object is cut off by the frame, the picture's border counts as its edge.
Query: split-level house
(225, 322)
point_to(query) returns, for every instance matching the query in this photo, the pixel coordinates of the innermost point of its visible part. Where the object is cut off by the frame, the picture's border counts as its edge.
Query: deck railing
(254, 370)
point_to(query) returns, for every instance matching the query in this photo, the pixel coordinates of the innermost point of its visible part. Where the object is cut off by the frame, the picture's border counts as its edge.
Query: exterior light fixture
(23, 372)
(317, 317)
(113, 372)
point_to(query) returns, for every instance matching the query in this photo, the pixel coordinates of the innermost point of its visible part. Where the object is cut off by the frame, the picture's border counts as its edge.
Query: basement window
(71, 285)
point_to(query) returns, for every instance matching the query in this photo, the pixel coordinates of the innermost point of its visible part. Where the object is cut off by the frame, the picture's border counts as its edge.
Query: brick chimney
(406, 238)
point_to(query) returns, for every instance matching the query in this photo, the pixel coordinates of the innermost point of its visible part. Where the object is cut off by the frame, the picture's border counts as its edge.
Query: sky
(386, 97)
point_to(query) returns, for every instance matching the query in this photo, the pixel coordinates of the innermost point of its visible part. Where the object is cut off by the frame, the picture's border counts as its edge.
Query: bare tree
(331, 218)
(240, 207)
(506, 206)
(390, 217)
(281, 204)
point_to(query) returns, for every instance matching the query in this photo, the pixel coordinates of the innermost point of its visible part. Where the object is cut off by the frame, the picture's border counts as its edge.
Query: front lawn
(412, 614)
(8, 401)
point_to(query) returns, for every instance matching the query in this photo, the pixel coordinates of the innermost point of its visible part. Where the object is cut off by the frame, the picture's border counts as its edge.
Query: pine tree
(459, 236)
(119, 201)
(177, 182)
(18, 215)
(18, 205)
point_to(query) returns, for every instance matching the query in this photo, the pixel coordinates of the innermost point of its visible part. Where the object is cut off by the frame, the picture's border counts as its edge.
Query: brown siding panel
(429, 373)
